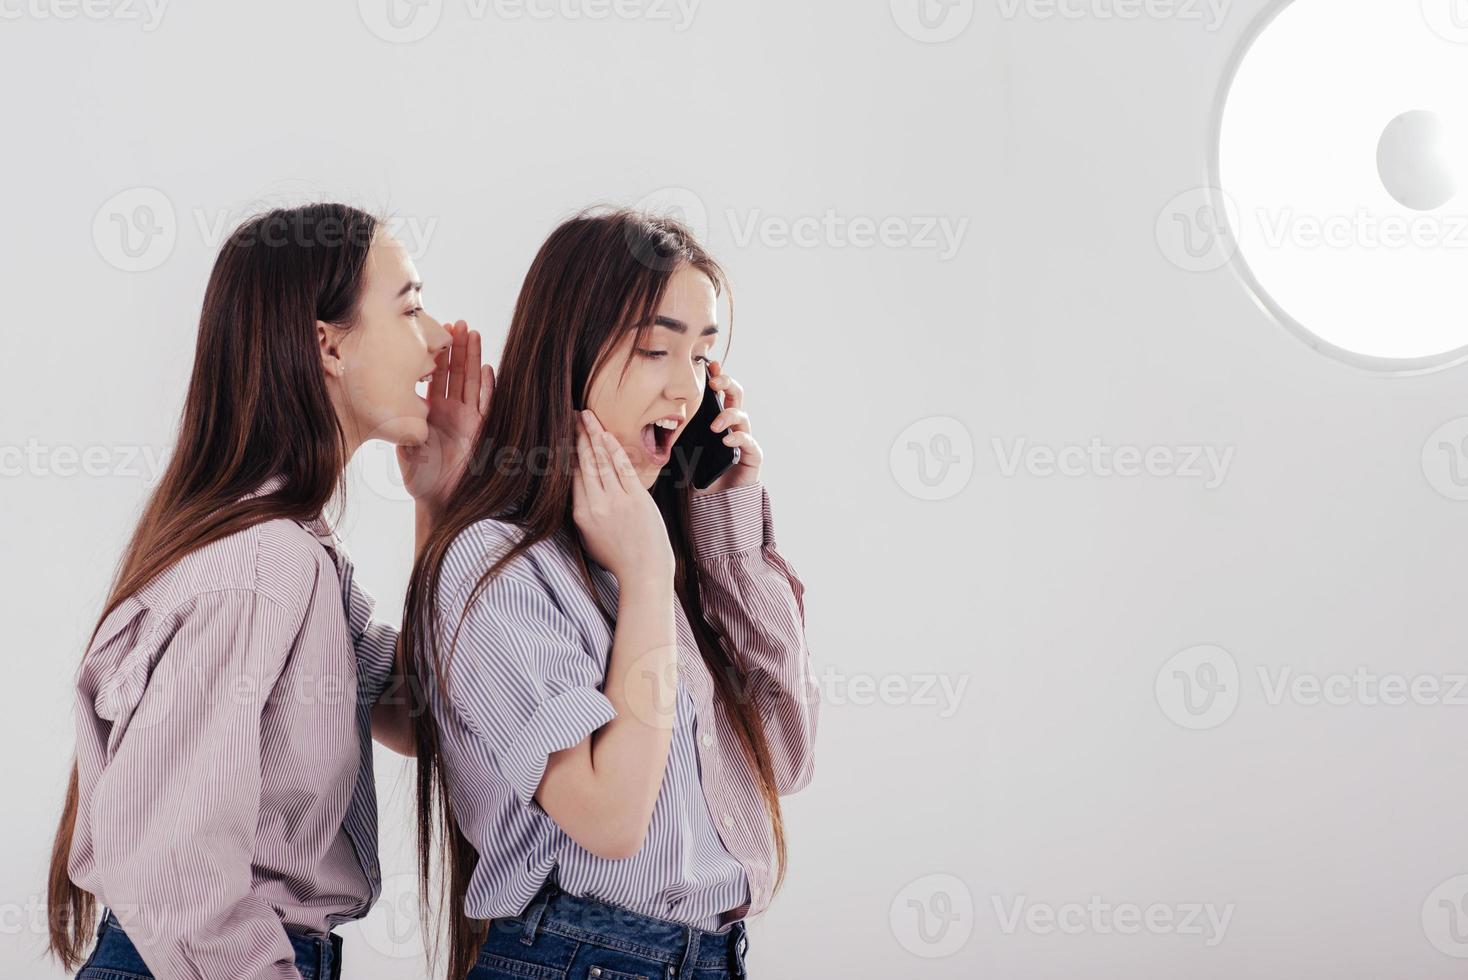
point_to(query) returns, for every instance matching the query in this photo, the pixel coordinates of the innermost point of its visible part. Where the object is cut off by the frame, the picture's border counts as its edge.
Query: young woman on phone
(614, 661)
(222, 804)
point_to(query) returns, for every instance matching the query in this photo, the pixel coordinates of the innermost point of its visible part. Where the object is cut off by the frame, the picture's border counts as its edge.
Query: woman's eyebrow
(678, 326)
(409, 287)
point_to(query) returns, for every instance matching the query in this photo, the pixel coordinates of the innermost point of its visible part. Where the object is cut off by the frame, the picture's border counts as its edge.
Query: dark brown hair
(597, 275)
(257, 406)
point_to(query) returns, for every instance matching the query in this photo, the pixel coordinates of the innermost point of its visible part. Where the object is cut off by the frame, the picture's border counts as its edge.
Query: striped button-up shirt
(525, 680)
(223, 721)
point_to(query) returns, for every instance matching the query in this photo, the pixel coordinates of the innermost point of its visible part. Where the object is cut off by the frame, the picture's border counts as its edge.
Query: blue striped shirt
(525, 681)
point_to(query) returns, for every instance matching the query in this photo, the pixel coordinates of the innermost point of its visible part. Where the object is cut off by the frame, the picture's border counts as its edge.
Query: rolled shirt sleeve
(756, 600)
(520, 674)
(174, 815)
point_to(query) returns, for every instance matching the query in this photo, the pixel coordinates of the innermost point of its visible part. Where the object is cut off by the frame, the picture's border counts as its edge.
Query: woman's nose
(690, 386)
(436, 336)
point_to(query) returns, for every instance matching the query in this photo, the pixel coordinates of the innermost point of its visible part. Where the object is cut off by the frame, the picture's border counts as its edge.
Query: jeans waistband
(593, 920)
(318, 955)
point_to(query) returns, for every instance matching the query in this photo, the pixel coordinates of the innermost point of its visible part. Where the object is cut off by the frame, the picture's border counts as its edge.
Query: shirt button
(728, 821)
(706, 739)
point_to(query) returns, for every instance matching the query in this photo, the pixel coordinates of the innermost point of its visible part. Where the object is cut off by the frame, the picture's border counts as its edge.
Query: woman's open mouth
(421, 386)
(657, 439)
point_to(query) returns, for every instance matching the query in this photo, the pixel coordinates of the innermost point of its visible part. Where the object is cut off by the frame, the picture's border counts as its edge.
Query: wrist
(646, 583)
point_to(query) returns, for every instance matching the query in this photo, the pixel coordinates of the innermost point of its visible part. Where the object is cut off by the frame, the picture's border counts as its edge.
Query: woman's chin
(405, 430)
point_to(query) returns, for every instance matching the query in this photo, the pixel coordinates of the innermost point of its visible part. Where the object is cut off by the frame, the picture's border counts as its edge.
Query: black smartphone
(699, 454)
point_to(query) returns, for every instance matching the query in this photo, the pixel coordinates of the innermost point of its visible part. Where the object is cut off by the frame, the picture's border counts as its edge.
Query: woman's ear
(327, 338)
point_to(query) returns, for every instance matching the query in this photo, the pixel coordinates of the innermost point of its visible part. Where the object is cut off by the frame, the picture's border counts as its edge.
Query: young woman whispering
(222, 804)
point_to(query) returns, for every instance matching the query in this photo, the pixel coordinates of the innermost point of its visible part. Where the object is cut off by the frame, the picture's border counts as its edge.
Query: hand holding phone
(700, 455)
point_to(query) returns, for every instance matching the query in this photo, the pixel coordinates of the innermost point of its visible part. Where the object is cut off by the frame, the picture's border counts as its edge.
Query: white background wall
(1050, 604)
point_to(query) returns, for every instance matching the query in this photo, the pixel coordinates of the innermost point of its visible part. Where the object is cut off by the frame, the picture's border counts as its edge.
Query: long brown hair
(257, 406)
(597, 275)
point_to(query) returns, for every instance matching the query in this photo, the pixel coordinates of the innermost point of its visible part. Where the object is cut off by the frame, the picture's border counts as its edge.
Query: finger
(460, 351)
(749, 451)
(472, 362)
(440, 375)
(486, 389)
(621, 465)
(604, 460)
(586, 461)
(733, 392)
(732, 419)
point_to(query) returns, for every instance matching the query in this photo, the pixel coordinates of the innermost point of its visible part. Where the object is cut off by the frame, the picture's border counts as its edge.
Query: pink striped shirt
(224, 753)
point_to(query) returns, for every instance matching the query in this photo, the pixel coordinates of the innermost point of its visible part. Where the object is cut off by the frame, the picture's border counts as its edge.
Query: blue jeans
(318, 957)
(560, 935)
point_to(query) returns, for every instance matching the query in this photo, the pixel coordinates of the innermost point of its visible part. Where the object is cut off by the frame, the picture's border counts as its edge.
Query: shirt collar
(315, 525)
